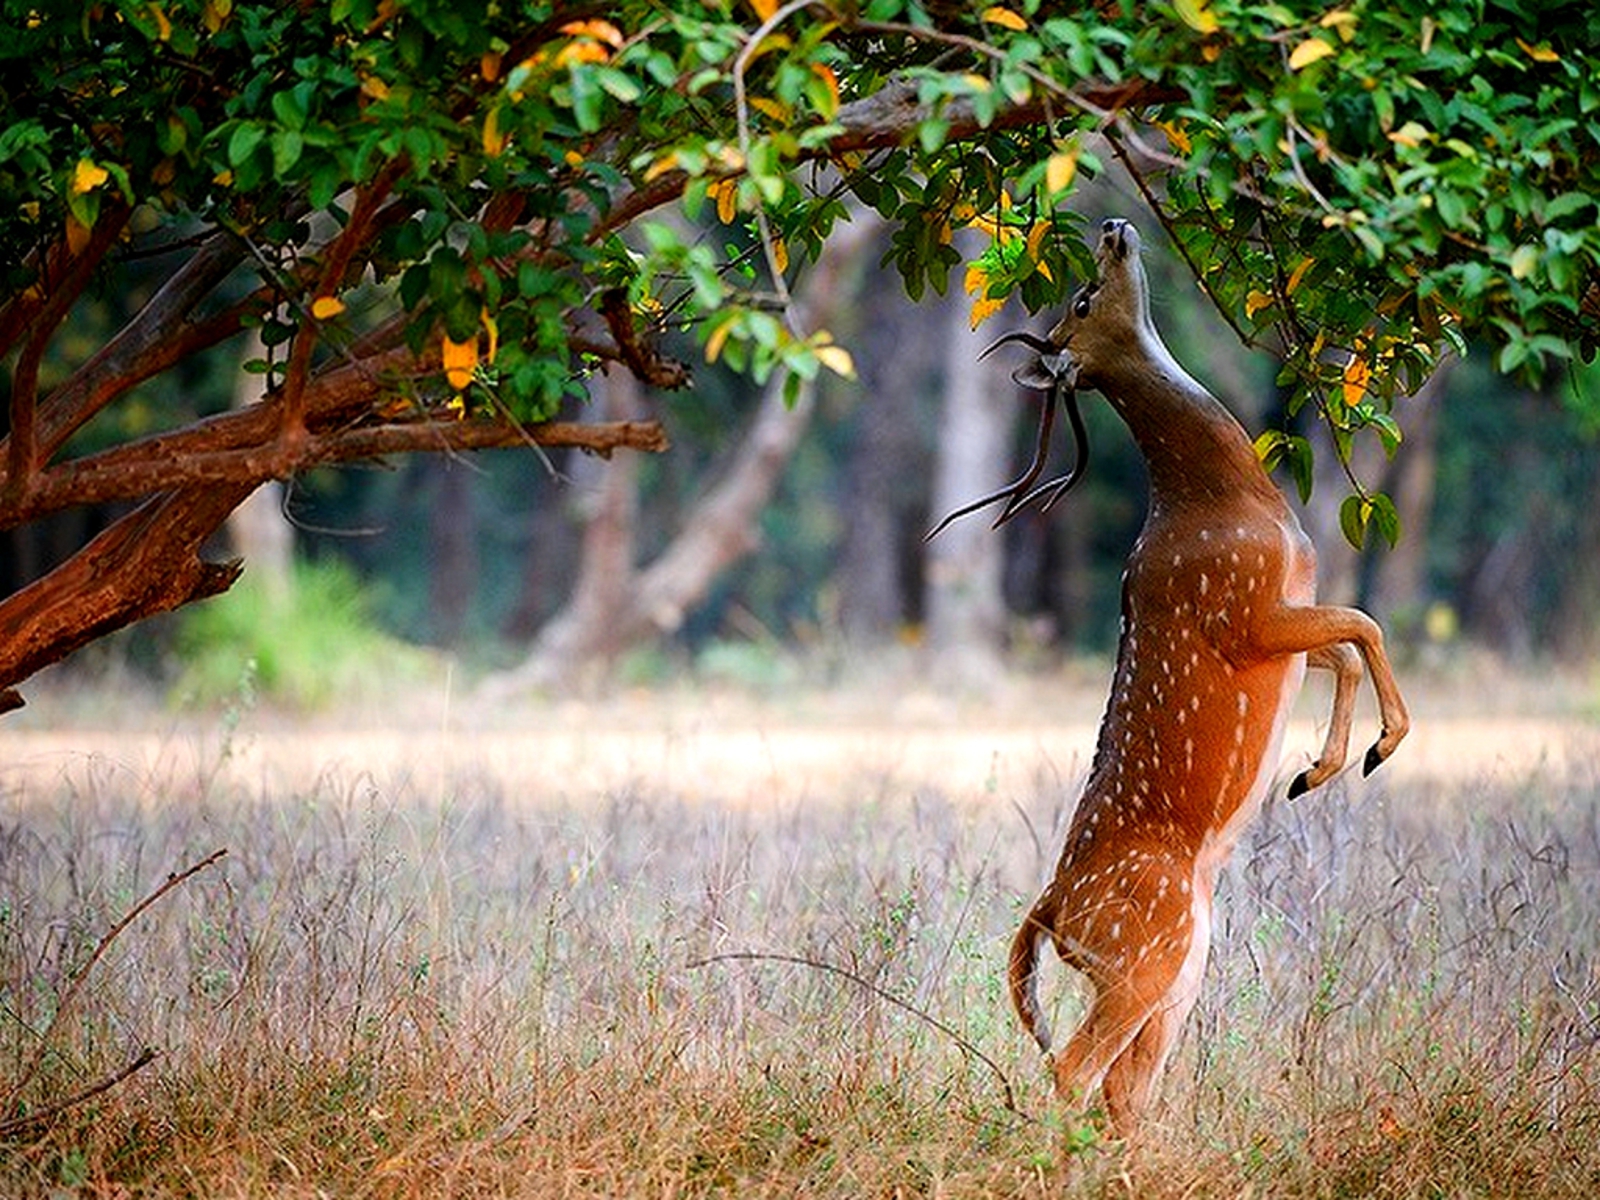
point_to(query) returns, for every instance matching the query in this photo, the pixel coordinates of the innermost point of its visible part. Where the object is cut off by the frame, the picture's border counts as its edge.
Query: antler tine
(1029, 339)
(1017, 486)
(1053, 490)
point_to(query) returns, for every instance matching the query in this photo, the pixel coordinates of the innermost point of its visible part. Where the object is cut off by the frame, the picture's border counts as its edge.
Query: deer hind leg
(1146, 968)
(1130, 1081)
(1302, 630)
(1340, 658)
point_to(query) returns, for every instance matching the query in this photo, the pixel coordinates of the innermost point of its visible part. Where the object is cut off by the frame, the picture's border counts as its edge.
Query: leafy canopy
(1354, 185)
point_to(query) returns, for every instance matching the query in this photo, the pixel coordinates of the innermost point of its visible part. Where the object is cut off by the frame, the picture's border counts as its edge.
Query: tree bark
(886, 478)
(257, 530)
(965, 607)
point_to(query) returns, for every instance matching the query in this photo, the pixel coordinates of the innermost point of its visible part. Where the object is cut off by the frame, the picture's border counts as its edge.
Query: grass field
(684, 945)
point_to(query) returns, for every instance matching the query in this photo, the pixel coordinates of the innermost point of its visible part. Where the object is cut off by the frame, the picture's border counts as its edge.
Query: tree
(436, 216)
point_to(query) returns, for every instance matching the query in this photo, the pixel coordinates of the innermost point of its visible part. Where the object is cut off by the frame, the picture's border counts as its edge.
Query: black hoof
(1372, 761)
(1300, 786)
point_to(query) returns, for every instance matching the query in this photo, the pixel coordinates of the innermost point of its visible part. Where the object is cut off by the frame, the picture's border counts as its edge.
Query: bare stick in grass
(16, 1125)
(75, 984)
(1008, 1097)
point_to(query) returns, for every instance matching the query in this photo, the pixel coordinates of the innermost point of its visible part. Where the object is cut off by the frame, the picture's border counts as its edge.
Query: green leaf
(1386, 517)
(246, 137)
(1353, 513)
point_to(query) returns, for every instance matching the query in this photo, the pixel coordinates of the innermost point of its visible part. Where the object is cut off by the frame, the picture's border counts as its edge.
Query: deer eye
(1080, 306)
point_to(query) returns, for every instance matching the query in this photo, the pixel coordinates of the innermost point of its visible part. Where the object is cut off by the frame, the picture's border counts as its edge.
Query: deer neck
(1195, 449)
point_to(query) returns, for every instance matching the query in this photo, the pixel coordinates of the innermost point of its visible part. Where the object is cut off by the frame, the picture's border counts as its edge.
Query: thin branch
(741, 113)
(41, 1116)
(1008, 1096)
(75, 985)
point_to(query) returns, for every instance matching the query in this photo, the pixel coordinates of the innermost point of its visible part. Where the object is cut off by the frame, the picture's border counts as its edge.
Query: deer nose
(1114, 235)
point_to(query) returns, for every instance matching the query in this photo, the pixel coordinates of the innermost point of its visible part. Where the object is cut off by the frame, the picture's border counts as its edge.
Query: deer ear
(1044, 371)
(1032, 374)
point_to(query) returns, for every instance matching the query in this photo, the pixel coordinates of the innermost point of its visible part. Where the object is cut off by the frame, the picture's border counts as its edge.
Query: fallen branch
(16, 1125)
(75, 985)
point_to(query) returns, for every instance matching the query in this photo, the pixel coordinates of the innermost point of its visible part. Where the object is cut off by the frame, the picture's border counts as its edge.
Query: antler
(1017, 493)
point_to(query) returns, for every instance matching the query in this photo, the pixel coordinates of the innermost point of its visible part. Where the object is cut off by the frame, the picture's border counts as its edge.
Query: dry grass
(412, 977)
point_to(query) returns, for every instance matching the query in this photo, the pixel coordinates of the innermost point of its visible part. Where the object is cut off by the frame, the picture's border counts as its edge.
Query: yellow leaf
(1523, 260)
(1256, 301)
(837, 359)
(1410, 134)
(780, 255)
(1177, 136)
(1036, 236)
(599, 30)
(324, 307)
(460, 360)
(489, 66)
(726, 193)
(163, 26)
(494, 141)
(764, 9)
(1299, 273)
(775, 109)
(581, 50)
(1539, 53)
(1060, 168)
(1197, 15)
(572, 158)
(1342, 21)
(1003, 17)
(719, 335)
(87, 176)
(374, 88)
(1308, 52)
(976, 280)
(493, 328)
(983, 308)
(661, 166)
(215, 13)
(830, 81)
(1355, 380)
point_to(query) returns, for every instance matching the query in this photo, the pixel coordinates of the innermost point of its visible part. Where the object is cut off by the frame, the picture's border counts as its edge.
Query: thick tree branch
(148, 562)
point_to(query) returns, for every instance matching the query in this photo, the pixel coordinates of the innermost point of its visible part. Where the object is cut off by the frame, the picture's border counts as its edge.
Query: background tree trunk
(965, 606)
(616, 605)
(886, 479)
(453, 559)
(258, 530)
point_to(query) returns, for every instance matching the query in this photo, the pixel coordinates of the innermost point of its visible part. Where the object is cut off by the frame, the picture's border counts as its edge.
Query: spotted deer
(1219, 622)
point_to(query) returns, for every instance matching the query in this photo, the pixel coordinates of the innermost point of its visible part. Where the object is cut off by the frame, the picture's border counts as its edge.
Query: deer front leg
(1341, 659)
(1302, 630)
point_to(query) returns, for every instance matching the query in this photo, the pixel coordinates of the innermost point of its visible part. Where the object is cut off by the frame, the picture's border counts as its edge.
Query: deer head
(1105, 319)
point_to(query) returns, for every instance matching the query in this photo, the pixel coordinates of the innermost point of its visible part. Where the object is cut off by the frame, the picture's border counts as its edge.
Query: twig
(1008, 1097)
(75, 986)
(49, 1112)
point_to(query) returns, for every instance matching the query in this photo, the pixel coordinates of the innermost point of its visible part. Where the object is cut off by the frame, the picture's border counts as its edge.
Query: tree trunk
(616, 606)
(886, 479)
(258, 531)
(453, 561)
(965, 608)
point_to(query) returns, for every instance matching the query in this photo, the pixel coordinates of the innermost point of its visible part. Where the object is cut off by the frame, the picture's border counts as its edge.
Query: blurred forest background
(778, 541)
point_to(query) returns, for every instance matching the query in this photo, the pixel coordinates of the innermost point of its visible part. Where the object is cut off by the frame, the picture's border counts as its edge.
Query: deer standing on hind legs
(1219, 622)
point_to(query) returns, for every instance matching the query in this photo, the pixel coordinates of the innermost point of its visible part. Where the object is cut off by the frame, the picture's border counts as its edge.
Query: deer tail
(1023, 970)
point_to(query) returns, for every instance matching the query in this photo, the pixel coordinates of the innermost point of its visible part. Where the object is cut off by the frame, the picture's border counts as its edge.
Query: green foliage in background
(304, 647)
